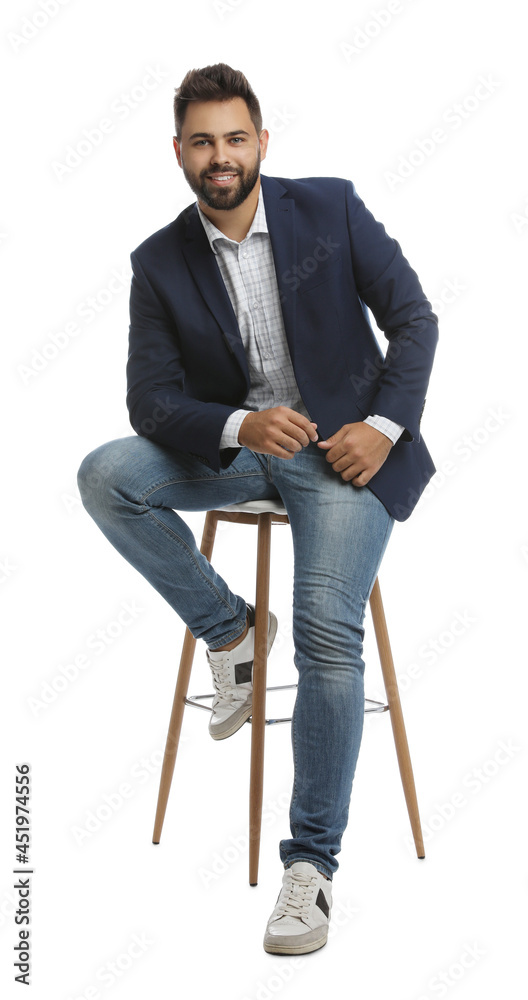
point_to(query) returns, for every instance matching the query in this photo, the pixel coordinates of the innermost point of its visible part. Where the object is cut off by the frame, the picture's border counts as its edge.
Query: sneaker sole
(235, 726)
(274, 948)
(246, 714)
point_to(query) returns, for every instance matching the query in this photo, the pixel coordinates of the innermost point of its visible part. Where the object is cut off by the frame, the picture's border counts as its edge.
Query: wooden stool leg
(182, 686)
(258, 717)
(396, 715)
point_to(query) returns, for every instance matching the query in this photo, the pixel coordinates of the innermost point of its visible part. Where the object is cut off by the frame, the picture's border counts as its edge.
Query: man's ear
(263, 142)
(177, 149)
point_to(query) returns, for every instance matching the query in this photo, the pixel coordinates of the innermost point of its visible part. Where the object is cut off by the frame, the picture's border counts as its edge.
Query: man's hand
(357, 451)
(279, 431)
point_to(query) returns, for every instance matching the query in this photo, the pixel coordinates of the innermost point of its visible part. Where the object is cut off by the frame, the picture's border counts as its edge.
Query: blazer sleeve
(158, 406)
(390, 288)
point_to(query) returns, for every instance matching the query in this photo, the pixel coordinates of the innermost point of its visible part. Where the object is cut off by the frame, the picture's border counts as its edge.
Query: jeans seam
(294, 826)
(388, 529)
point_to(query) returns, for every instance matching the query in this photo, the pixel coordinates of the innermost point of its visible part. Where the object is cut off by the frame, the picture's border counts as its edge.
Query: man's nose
(220, 154)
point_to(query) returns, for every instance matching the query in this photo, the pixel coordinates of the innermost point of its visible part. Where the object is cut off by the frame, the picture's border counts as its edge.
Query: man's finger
(308, 427)
(336, 452)
(344, 462)
(289, 443)
(354, 477)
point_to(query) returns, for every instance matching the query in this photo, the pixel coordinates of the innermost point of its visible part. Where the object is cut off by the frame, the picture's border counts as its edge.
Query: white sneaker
(232, 680)
(299, 922)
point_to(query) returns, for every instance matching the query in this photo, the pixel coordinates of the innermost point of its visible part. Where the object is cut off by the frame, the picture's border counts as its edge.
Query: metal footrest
(196, 700)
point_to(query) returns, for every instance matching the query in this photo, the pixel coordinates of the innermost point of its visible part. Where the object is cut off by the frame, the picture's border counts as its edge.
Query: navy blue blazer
(187, 368)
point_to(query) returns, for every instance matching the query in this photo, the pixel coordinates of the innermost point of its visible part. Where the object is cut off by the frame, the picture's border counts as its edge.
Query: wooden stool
(264, 513)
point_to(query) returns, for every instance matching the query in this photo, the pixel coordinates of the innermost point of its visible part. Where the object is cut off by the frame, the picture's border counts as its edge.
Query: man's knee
(96, 472)
(329, 638)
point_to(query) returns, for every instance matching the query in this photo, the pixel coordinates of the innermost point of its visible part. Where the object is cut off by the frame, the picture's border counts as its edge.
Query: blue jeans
(132, 489)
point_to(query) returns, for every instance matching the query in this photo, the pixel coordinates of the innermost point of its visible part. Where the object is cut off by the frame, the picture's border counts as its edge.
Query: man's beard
(218, 197)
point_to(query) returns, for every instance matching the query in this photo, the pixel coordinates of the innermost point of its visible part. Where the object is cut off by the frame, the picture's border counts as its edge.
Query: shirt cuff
(386, 426)
(232, 426)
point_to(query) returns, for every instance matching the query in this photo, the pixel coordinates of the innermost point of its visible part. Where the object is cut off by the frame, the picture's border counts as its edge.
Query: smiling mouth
(222, 180)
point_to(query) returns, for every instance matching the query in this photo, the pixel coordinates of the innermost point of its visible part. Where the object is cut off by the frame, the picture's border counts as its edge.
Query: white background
(400, 924)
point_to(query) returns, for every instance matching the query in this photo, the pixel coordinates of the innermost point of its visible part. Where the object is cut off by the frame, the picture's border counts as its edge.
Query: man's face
(220, 152)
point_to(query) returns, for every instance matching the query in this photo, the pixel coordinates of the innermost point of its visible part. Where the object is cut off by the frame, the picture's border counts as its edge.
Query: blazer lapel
(206, 273)
(280, 218)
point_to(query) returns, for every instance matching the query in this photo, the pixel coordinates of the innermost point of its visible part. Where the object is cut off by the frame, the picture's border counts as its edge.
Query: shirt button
(256, 304)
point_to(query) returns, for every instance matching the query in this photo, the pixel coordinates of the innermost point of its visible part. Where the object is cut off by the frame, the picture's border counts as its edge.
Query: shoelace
(296, 898)
(223, 686)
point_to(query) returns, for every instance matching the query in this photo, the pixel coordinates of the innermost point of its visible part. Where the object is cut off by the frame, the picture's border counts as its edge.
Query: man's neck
(234, 223)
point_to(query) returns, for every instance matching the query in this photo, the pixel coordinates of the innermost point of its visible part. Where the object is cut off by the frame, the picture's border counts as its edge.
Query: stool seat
(257, 507)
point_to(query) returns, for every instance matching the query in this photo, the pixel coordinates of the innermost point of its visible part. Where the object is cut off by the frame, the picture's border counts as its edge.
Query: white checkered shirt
(249, 275)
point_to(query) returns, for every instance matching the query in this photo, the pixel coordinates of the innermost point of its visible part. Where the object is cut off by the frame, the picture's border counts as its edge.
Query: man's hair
(214, 83)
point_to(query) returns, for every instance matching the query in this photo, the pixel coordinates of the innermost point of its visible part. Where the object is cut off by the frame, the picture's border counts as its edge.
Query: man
(253, 373)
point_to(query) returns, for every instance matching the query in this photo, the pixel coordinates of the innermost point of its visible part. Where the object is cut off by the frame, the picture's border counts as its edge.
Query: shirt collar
(258, 225)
